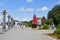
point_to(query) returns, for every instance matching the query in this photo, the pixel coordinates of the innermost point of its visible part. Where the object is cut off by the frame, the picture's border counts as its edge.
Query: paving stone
(17, 33)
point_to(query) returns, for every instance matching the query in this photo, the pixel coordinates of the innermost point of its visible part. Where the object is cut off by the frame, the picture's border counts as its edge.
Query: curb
(51, 37)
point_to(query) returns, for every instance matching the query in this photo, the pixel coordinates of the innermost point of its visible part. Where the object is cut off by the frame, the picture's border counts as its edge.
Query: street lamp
(8, 21)
(4, 19)
(11, 22)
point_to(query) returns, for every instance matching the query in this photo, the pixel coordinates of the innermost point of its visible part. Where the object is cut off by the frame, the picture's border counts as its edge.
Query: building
(39, 21)
(35, 21)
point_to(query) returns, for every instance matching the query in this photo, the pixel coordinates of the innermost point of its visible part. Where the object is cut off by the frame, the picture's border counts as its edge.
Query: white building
(38, 21)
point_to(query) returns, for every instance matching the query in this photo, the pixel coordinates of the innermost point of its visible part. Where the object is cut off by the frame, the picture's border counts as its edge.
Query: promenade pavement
(17, 33)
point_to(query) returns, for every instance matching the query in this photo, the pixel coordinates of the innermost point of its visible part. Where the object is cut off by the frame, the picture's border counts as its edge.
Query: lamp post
(9, 21)
(4, 19)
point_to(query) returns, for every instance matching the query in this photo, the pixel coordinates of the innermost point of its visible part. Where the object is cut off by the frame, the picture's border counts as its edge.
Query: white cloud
(22, 19)
(22, 9)
(38, 9)
(29, 9)
(0, 3)
(58, 2)
(43, 9)
(17, 18)
(29, 1)
(25, 19)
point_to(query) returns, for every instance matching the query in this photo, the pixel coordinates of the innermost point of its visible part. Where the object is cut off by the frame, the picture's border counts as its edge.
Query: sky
(23, 10)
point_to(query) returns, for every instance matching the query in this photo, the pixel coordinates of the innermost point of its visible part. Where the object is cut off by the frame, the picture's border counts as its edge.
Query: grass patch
(34, 28)
(28, 27)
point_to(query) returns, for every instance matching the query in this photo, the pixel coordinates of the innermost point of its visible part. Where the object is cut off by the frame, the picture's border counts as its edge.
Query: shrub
(57, 31)
(58, 27)
(45, 26)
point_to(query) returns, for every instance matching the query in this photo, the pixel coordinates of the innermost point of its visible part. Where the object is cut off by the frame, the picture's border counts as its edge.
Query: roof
(39, 18)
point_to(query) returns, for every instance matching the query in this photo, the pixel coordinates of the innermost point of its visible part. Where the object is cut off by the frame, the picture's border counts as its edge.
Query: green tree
(55, 14)
(50, 21)
(43, 20)
(29, 24)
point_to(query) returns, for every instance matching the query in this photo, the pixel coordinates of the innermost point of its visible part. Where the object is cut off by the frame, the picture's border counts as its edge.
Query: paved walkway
(17, 33)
